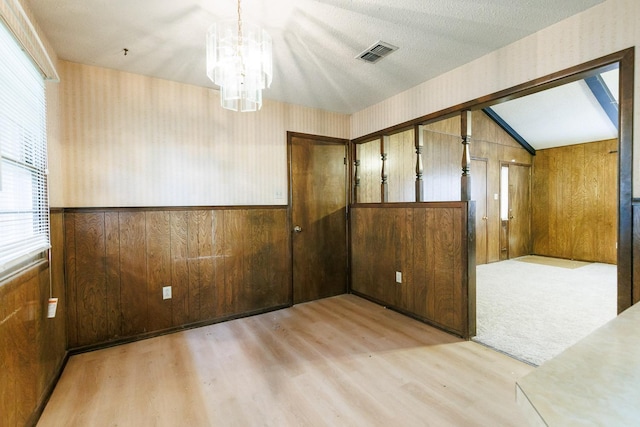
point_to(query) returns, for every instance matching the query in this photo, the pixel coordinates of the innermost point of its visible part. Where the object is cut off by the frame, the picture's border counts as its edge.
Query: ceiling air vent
(376, 52)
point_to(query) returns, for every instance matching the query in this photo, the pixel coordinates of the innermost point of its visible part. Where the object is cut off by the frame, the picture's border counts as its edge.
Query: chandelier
(239, 61)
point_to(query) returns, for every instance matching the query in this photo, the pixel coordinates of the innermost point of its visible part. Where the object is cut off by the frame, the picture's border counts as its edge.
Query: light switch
(398, 277)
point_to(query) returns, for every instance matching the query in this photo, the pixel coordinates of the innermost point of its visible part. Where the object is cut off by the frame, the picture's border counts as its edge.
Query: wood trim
(154, 334)
(410, 314)
(546, 82)
(470, 261)
(626, 279)
(37, 413)
(508, 129)
(465, 134)
(328, 139)
(26, 272)
(453, 204)
(164, 208)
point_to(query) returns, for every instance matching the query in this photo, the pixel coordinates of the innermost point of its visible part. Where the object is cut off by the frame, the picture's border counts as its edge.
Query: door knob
(297, 229)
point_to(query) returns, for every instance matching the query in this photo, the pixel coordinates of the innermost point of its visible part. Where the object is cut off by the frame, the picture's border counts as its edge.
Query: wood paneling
(370, 170)
(442, 154)
(491, 142)
(575, 202)
(91, 286)
(32, 346)
(401, 166)
(219, 263)
(428, 243)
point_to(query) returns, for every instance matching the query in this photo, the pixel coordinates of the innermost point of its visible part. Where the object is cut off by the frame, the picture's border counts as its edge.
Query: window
(504, 193)
(24, 206)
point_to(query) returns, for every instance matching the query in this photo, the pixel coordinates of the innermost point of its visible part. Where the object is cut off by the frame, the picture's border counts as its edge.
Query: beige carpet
(554, 262)
(533, 311)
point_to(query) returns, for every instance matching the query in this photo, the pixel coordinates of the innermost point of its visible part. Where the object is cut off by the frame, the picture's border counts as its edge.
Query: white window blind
(24, 206)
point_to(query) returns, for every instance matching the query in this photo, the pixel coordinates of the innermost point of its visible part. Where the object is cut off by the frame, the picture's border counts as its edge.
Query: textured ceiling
(315, 42)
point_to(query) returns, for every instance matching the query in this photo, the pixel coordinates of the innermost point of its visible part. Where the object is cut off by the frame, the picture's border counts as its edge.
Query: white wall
(131, 140)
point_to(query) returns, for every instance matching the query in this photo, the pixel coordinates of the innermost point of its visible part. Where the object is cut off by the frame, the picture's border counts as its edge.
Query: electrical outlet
(398, 277)
(166, 292)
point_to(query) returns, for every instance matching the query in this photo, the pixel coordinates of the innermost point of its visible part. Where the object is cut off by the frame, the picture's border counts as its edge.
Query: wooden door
(519, 228)
(318, 217)
(479, 194)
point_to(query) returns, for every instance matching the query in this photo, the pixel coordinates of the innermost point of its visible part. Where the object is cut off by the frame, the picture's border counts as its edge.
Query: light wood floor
(341, 361)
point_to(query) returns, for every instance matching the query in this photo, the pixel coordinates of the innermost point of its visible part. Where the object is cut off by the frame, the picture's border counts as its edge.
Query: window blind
(24, 206)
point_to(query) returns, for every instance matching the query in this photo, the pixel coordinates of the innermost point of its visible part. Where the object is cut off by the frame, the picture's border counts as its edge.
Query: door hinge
(345, 160)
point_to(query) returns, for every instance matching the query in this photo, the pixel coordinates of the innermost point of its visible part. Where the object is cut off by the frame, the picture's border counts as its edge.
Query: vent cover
(376, 52)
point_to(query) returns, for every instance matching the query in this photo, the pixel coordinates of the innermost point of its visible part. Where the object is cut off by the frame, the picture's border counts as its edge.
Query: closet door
(318, 217)
(519, 210)
(479, 194)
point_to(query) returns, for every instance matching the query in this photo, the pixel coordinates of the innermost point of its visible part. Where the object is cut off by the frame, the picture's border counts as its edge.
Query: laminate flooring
(340, 361)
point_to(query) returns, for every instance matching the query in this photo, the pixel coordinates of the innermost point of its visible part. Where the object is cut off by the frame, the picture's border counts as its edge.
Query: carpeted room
(533, 308)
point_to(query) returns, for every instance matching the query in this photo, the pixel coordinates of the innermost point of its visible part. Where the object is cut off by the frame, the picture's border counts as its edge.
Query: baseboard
(44, 399)
(410, 314)
(153, 334)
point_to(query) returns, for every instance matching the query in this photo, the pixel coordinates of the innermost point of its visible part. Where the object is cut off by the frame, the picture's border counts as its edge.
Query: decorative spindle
(419, 138)
(356, 180)
(465, 183)
(384, 192)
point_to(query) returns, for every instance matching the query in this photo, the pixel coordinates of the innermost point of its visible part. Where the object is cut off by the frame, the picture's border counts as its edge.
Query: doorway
(318, 216)
(565, 184)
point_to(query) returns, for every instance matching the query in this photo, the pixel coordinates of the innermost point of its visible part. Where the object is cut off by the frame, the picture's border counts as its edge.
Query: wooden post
(465, 182)
(419, 141)
(384, 190)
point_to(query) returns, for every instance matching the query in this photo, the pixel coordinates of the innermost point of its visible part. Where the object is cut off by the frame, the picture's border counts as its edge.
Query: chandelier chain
(240, 55)
(239, 23)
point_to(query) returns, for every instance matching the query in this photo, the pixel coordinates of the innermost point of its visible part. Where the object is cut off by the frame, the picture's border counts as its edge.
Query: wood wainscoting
(32, 346)
(220, 263)
(432, 246)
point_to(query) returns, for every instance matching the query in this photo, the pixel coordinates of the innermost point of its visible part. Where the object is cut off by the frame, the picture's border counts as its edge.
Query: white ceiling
(315, 42)
(565, 115)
